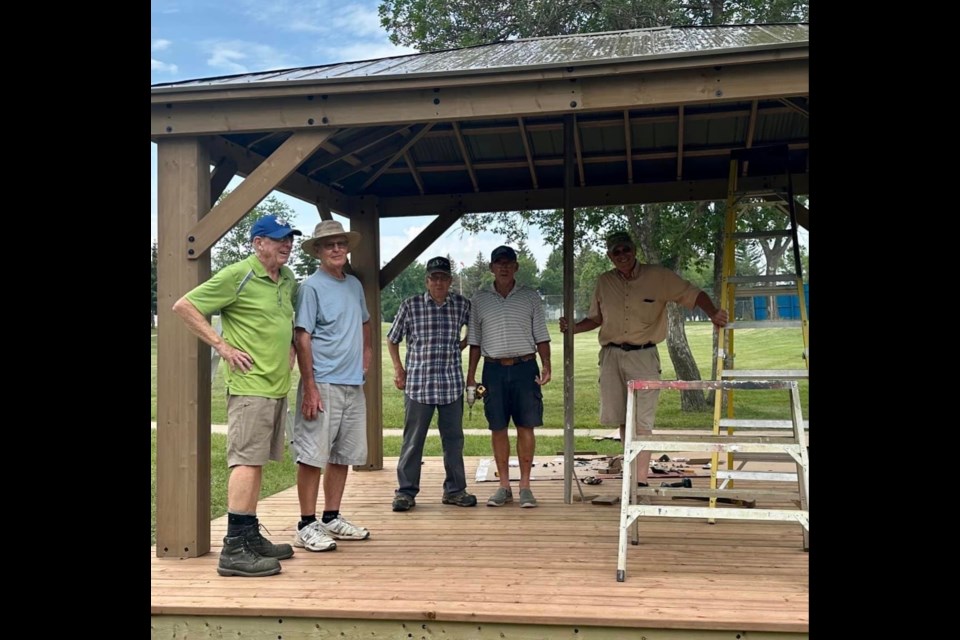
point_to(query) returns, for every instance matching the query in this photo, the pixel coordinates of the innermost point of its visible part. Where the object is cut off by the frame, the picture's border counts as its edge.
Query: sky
(203, 38)
(193, 39)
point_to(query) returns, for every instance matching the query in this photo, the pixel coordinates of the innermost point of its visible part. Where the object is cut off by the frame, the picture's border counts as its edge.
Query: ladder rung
(760, 424)
(763, 457)
(773, 374)
(678, 493)
(777, 277)
(767, 476)
(728, 513)
(775, 233)
(747, 292)
(764, 324)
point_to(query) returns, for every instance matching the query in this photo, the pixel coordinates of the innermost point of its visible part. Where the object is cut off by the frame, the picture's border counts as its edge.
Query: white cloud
(238, 56)
(162, 67)
(160, 45)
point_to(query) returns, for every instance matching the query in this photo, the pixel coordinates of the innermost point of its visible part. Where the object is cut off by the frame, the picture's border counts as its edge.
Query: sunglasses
(330, 246)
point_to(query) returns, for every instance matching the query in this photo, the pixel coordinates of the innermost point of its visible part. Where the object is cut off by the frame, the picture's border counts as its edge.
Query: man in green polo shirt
(255, 298)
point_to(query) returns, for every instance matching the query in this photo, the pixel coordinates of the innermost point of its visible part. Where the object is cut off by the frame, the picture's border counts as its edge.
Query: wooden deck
(446, 571)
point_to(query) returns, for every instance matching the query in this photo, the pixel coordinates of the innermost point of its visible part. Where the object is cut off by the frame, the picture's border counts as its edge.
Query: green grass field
(756, 349)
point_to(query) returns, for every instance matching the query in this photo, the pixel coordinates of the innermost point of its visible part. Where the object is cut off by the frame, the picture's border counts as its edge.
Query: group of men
(269, 323)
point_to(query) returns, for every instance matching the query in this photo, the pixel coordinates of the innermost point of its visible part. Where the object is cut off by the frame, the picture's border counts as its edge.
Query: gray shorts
(255, 430)
(617, 367)
(339, 434)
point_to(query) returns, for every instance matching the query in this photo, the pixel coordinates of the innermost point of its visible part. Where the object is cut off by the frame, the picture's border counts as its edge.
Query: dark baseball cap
(272, 227)
(503, 251)
(438, 265)
(619, 237)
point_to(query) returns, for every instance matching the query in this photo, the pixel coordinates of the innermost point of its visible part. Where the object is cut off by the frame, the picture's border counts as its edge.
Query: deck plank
(555, 564)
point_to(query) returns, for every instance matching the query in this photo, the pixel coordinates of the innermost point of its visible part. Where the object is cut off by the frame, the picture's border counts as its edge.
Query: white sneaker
(313, 538)
(341, 529)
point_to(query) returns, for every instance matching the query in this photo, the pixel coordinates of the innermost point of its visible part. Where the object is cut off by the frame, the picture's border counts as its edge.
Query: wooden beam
(526, 149)
(296, 185)
(795, 107)
(358, 145)
(680, 138)
(689, 86)
(251, 191)
(413, 171)
(183, 361)
(365, 262)
(579, 151)
(386, 165)
(416, 247)
(381, 155)
(569, 131)
(803, 214)
(223, 173)
(751, 132)
(466, 156)
(628, 144)
(637, 193)
(323, 208)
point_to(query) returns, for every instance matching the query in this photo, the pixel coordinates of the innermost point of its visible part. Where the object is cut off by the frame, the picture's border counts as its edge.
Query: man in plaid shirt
(431, 381)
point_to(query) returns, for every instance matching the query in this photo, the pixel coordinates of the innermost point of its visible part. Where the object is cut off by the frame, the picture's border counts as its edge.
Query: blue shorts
(512, 393)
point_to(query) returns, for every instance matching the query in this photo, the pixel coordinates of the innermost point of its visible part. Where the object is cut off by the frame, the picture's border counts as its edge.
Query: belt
(508, 362)
(632, 347)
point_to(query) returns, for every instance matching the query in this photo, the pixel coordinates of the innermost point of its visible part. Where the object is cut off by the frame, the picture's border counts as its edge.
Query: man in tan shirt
(630, 307)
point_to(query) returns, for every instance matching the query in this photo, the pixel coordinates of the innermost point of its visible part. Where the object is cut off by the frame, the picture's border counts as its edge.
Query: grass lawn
(756, 349)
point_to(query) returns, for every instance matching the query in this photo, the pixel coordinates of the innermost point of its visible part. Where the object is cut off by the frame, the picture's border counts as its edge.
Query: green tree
(235, 244)
(551, 277)
(477, 276)
(527, 274)
(411, 281)
(153, 282)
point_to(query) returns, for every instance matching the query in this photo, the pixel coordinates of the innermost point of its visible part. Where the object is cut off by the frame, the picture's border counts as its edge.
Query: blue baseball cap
(272, 227)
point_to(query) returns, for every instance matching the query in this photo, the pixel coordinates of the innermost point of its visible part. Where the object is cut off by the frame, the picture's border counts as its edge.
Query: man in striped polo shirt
(507, 326)
(432, 381)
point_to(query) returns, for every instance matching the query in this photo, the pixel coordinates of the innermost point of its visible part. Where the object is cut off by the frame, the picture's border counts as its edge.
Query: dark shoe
(403, 502)
(462, 499)
(238, 559)
(264, 547)
(526, 499)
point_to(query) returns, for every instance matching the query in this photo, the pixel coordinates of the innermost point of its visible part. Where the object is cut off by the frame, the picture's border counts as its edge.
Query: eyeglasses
(440, 277)
(335, 244)
(616, 251)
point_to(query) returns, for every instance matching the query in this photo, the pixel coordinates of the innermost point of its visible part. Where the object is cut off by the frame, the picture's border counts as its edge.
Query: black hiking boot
(263, 546)
(238, 559)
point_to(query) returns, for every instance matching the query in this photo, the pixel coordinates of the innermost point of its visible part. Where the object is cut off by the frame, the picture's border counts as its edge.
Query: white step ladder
(794, 445)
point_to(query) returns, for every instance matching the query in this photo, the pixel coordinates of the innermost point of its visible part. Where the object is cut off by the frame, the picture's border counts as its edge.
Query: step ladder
(793, 445)
(779, 201)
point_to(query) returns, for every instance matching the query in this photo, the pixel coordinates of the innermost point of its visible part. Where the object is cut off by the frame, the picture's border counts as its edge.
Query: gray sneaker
(341, 529)
(526, 498)
(238, 559)
(403, 502)
(500, 498)
(263, 546)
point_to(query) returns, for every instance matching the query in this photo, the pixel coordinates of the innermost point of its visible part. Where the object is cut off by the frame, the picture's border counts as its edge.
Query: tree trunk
(682, 359)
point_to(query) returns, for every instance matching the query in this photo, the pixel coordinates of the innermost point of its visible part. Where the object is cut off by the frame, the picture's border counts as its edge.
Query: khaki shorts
(339, 434)
(617, 367)
(256, 429)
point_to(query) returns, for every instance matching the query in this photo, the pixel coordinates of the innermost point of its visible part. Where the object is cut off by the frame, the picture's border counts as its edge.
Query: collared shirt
(634, 310)
(433, 364)
(507, 327)
(257, 318)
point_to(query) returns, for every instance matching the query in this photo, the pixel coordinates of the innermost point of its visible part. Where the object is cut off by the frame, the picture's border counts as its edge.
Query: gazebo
(628, 117)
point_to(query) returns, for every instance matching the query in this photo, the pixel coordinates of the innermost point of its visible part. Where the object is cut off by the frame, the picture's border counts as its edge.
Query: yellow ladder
(780, 197)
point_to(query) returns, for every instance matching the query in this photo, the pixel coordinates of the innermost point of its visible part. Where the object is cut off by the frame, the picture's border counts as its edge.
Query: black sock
(330, 515)
(305, 520)
(236, 522)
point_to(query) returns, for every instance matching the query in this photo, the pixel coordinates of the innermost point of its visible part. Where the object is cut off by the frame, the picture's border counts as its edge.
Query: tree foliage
(411, 281)
(432, 25)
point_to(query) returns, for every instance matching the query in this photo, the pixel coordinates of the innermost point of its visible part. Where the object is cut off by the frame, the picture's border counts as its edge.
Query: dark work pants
(417, 419)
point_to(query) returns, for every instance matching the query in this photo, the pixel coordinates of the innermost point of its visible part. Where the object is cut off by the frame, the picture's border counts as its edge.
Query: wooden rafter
(386, 165)
(379, 155)
(526, 149)
(466, 156)
(223, 173)
(413, 171)
(751, 132)
(417, 246)
(794, 106)
(680, 123)
(358, 145)
(579, 152)
(628, 144)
